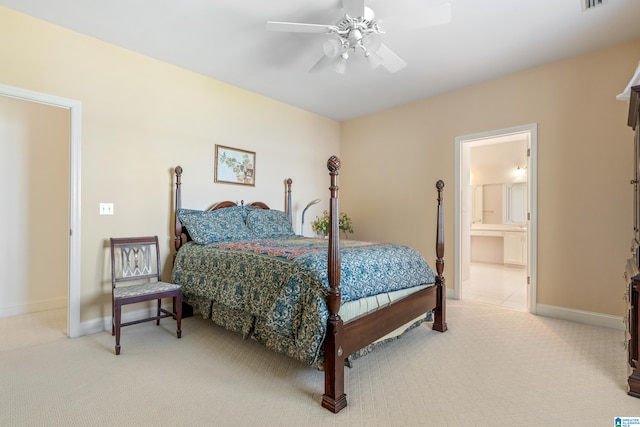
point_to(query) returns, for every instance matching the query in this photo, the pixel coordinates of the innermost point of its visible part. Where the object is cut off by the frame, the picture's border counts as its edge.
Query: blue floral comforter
(274, 290)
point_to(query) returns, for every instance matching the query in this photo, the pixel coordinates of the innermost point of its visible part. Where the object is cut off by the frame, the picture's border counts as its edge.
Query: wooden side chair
(135, 277)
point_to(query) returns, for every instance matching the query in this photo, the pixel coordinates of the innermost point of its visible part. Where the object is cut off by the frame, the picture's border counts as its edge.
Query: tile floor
(498, 285)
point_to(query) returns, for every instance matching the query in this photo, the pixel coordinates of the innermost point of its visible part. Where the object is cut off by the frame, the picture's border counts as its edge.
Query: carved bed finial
(333, 164)
(178, 170)
(439, 187)
(289, 181)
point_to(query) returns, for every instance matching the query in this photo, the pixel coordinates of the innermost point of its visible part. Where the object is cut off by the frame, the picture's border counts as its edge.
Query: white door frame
(74, 107)
(462, 178)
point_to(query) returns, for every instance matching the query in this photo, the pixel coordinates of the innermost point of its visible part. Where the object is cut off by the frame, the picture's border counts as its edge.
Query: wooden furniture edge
(633, 320)
(634, 106)
(634, 325)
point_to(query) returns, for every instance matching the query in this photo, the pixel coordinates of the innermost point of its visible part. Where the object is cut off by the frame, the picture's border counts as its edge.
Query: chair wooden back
(134, 258)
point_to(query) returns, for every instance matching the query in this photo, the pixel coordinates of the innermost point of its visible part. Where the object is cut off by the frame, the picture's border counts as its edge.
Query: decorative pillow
(269, 223)
(221, 225)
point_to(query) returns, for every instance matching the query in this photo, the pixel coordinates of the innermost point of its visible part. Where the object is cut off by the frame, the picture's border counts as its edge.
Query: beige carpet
(494, 367)
(33, 328)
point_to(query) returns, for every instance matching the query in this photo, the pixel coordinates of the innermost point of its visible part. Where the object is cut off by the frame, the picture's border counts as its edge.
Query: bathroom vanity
(499, 244)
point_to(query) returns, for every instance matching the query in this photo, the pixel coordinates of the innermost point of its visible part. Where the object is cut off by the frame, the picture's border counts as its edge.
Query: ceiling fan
(359, 31)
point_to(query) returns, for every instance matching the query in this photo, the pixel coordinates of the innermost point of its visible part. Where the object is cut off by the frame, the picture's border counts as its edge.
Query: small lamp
(311, 203)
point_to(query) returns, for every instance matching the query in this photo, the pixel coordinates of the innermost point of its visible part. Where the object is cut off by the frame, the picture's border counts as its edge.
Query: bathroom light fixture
(520, 172)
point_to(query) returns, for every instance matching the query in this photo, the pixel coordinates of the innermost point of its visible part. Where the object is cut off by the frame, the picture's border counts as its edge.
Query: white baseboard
(581, 316)
(573, 315)
(33, 307)
(94, 326)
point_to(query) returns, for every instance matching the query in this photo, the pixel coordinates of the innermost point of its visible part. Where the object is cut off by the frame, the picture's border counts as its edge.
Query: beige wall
(585, 161)
(34, 160)
(142, 117)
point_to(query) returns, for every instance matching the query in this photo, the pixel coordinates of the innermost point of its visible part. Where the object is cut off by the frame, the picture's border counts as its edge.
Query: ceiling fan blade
(353, 8)
(323, 63)
(390, 60)
(294, 27)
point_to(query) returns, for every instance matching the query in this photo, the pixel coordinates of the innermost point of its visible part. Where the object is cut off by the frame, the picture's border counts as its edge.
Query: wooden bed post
(439, 323)
(288, 209)
(187, 310)
(334, 398)
(178, 225)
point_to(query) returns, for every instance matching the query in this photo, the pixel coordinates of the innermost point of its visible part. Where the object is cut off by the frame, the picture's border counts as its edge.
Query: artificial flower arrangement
(321, 224)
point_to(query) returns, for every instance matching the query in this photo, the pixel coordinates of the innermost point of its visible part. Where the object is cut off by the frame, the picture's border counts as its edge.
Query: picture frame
(234, 166)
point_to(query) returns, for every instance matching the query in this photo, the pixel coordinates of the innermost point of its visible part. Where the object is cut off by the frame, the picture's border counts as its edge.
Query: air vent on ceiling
(590, 4)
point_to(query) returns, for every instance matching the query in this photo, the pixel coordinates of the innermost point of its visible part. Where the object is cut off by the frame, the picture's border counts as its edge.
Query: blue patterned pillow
(221, 225)
(271, 223)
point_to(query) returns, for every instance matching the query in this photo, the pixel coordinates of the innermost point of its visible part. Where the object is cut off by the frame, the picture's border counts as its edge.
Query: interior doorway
(495, 229)
(71, 232)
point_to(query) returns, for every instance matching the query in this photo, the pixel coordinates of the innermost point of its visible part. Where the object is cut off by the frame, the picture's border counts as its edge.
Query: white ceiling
(495, 160)
(227, 41)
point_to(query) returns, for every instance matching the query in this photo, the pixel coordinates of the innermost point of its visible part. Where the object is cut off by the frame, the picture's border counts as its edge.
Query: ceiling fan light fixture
(355, 35)
(332, 48)
(341, 64)
(372, 42)
(359, 29)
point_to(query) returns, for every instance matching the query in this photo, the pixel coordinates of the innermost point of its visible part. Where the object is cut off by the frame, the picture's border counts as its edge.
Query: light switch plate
(106, 208)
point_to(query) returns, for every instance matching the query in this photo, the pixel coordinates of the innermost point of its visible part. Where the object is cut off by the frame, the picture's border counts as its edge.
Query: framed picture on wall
(235, 166)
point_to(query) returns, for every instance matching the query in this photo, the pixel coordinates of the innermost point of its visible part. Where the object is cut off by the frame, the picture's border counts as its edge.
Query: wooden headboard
(230, 204)
(180, 231)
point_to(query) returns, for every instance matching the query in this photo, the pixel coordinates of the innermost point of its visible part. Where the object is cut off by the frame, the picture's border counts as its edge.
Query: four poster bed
(317, 300)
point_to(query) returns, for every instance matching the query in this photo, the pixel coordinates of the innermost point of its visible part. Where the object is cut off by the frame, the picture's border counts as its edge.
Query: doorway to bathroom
(33, 118)
(495, 226)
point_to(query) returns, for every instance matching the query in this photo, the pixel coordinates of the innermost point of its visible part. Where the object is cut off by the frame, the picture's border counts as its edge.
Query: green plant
(321, 224)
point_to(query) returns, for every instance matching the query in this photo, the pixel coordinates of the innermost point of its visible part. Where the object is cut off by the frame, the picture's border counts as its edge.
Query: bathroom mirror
(516, 203)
